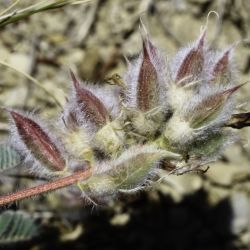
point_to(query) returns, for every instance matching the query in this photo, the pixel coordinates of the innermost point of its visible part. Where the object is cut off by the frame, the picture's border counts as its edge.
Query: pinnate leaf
(16, 226)
(8, 157)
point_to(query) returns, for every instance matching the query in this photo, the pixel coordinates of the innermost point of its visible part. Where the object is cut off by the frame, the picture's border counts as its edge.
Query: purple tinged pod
(38, 142)
(147, 89)
(221, 73)
(208, 107)
(192, 63)
(91, 107)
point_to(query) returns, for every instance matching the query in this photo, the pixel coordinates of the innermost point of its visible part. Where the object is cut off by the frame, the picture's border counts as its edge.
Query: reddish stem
(50, 186)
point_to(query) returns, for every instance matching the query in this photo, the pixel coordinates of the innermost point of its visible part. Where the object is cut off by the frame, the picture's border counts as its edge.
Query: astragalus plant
(169, 114)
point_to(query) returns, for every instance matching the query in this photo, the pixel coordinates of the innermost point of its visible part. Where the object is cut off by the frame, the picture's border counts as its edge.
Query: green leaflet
(16, 226)
(8, 157)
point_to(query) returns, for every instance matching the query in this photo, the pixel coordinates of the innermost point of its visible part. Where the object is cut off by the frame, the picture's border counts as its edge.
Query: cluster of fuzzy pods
(167, 114)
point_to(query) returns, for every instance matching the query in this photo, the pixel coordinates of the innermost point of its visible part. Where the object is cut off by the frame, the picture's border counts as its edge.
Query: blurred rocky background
(193, 211)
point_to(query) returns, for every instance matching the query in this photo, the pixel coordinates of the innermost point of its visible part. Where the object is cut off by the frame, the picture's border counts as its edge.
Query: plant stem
(10, 7)
(36, 8)
(44, 188)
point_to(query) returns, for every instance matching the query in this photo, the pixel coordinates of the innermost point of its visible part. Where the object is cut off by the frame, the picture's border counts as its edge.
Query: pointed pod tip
(232, 90)
(147, 45)
(15, 115)
(76, 83)
(5, 109)
(227, 52)
(145, 48)
(201, 39)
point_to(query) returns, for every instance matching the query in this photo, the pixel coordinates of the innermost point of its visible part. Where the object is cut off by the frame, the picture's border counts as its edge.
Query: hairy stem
(44, 188)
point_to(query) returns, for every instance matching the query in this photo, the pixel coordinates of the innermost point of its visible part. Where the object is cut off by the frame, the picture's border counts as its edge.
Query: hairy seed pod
(221, 72)
(91, 107)
(38, 142)
(192, 64)
(128, 172)
(208, 108)
(136, 164)
(147, 89)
